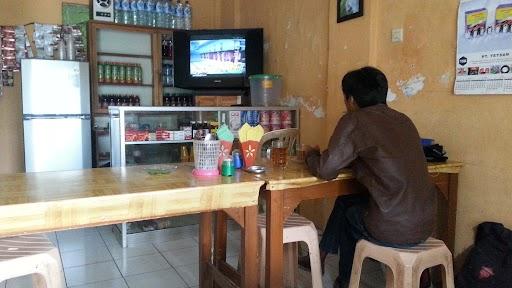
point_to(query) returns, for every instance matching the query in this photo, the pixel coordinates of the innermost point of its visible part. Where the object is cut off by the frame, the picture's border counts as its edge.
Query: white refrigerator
(56, 115)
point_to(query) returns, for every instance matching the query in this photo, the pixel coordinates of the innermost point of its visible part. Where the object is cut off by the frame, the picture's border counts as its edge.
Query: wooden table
(45, 202)
(286, 188)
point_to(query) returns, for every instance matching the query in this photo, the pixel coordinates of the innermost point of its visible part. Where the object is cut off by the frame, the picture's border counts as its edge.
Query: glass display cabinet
(159, 135)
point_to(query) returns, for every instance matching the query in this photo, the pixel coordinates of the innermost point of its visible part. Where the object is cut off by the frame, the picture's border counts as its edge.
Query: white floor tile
(2, 284)
(176, 244)
(92, 273)
(182, 257)
(116, 283)
(77, 233)
(159, 279)
(20, 282)
(132, 251)
(84, 257)
(142, 264)
(77, 242)
(184, 232)
(189, 273)
(233, 261)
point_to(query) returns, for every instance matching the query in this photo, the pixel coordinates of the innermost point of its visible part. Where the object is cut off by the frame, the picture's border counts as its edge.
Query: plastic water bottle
(127, 12)
(142, 14)
(172, 16)
(151, 10)
(187, 16)
(179, 15)
(135, 12)
(167, 13)
(160, 16)
(118, 11)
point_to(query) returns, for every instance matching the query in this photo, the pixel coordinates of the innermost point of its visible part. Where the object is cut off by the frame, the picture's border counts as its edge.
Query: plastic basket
(206, 157)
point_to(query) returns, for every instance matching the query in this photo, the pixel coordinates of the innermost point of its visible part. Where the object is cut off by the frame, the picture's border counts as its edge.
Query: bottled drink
(179, 15)
(167, 14)
(151, 13)
(134, 12)
(172, 16)
(127, 12)
(118, 11)
(142, 14)
(187, 16)
(160, 16)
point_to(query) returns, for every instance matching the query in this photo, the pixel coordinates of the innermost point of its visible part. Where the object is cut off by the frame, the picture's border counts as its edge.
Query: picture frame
(350, 9)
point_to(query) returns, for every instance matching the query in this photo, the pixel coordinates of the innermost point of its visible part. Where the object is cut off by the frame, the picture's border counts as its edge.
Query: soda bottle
(127, 12)
(167, 14)
(187, 16)
(118, 11)
(179, 15)
(134, 12)
(142, 14)
(159, 8)
(150, 9)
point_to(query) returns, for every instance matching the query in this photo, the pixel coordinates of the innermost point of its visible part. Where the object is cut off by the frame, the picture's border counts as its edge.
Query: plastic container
(266, 90)
(206, 156)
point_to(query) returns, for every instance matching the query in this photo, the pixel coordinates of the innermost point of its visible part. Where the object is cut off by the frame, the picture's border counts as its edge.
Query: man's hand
(311, 151)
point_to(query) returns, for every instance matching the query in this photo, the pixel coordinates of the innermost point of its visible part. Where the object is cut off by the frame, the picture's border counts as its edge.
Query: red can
(275, 118)
(286, 117)
(264, 118)
(274, 127)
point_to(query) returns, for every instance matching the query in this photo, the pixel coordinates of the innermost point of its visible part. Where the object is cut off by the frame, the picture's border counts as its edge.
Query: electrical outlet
(397, 35)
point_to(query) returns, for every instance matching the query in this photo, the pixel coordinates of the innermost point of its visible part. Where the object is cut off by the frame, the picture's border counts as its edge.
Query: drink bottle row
(178, 100)
(154, 13)
(119, 100)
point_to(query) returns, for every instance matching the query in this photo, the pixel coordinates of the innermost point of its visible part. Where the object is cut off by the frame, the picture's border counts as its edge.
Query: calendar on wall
(484, 50)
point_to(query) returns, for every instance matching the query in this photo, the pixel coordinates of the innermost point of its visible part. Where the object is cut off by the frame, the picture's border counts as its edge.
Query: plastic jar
(266, 90)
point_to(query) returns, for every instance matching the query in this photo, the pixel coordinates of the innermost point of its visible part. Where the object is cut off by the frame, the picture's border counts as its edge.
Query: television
(209, 59)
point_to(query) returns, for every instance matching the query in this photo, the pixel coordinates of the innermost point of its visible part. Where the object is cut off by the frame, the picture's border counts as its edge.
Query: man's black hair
(368, 86)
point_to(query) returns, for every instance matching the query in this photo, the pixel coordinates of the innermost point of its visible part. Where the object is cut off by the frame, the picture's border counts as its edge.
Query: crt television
(206, 59)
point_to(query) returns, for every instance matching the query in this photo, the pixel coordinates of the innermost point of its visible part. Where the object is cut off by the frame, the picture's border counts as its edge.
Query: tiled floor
(93, 258)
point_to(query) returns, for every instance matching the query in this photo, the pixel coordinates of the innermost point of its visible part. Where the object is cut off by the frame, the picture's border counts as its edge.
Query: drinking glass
(279, 154)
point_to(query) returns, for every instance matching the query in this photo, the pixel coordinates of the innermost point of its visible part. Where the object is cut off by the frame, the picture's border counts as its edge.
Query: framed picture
(349, 9)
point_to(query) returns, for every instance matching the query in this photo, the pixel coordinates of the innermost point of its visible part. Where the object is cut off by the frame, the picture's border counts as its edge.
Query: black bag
(489, 263)
(435, 153)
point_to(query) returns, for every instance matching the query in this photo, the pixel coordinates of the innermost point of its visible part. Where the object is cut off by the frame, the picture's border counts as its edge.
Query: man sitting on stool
(383, 149)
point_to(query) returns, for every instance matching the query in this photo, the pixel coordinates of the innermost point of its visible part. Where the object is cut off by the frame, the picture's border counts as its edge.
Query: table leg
(452, 211)
(274, 240)
(249, 249)
(220, 240)
(205, 249)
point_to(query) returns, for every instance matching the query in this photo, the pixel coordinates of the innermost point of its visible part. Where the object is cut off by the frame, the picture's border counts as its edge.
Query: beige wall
(296, 33)
(474, 129)
(207, 14)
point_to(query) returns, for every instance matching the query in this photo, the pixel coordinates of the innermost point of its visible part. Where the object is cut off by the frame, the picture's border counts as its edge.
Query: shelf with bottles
(154, 13)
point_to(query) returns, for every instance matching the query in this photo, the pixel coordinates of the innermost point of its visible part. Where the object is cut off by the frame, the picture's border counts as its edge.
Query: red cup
(250, 152)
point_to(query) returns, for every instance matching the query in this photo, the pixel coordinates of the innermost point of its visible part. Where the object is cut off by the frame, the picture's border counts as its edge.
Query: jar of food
(115, 72)
(122, 74)
(101, 73)
(129, 74)
(108, 72)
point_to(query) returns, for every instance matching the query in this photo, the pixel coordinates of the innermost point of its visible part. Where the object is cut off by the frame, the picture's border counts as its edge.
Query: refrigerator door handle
(29, 117)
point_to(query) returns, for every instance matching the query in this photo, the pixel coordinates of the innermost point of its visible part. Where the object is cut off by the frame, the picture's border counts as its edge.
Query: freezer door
(52, 87)
(57, 144)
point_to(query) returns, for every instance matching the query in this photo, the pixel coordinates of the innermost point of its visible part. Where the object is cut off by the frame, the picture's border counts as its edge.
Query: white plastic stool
(296, 229)
(32, 254)
(406, 265)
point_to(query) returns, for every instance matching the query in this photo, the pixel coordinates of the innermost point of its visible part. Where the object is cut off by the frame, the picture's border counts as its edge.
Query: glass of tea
(279, 154)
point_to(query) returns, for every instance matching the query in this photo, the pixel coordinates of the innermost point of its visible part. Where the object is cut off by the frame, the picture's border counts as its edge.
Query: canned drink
(137, 74)
(274, 127)
(286, 117)
(108, 72)
(101, 71)
(275, 118)
(129, 74)
(115, 73)
(265, 118)
(255, 117)
(122, 74)
(245, 117)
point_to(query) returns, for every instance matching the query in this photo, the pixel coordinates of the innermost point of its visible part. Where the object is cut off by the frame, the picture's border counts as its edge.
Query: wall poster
(484, 47)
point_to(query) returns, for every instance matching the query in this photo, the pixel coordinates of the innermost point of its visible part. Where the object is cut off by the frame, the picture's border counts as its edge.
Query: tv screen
(217, 57)
(209, 59)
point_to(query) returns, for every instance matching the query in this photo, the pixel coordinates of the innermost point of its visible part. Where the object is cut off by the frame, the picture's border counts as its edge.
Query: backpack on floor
(489, 263)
